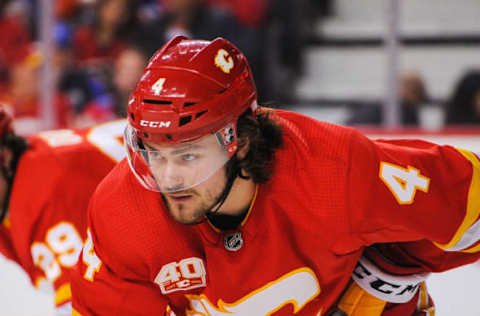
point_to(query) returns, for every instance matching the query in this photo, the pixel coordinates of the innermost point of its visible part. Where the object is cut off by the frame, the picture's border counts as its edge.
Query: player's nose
(172, 180)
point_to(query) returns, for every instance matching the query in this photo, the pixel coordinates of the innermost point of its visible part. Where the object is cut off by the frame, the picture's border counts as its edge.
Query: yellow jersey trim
(75, 312)
(473, 202)
(63, 294)
(251, 206)
(7, 223)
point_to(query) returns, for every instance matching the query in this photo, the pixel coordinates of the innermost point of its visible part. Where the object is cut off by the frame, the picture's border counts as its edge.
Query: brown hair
(264, 138)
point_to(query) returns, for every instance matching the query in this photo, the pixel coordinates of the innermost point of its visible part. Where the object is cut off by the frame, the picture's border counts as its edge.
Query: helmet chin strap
(233, 171)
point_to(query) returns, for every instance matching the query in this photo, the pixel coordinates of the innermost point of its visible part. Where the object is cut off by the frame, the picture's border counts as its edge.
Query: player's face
(189, 206)
(179, 167)
(191, 176)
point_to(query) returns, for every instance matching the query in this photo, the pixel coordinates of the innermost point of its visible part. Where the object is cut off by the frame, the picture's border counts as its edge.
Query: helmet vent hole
(189, 104)
(200, 114)
(222, 91)
(169, 137)
(157, 101)
(132, 116)
(185, 120)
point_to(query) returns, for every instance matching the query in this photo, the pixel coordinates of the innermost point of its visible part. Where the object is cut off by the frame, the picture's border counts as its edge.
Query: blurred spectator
(66, 9)
(83, 84)
(280, 27)
(23, 97)
(14, 41)
(110, 101)
(464, 104)
(412, 94)
(67, 13)
(127, 70)
(320, 8)
(196, 19)
(92, 50)
(248, 12)
(284, 39)
(106, 37)
(192, 18)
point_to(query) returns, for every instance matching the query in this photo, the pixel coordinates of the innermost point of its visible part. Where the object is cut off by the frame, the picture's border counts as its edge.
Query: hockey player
(45, 185)
(227, 208)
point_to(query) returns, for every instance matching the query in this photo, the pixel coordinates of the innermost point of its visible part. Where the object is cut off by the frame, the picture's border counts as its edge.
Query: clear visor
(173, 168)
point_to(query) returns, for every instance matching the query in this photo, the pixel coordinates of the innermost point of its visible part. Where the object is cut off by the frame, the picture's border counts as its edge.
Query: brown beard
(203, 209)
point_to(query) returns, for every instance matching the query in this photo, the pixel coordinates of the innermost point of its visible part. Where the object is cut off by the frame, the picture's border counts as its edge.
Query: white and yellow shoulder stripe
(468, 234)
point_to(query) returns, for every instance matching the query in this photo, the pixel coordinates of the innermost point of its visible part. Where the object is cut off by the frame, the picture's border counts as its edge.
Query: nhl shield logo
(233, 241)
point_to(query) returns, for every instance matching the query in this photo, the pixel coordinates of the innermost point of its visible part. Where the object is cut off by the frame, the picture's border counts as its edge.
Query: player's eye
(189, 157)
(154, 155)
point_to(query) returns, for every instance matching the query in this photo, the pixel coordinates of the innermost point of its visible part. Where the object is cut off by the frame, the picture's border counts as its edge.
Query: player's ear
(243, 147)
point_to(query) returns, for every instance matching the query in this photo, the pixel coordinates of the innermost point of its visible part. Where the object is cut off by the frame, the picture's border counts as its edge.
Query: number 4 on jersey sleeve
(403, 183)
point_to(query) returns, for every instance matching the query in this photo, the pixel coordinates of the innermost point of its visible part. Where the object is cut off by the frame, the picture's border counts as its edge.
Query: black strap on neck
(233, 171)
(227, 222)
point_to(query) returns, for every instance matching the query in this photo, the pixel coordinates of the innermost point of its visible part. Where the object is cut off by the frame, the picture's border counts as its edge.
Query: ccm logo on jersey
(181, 276)
(390, 288)
(158, 124)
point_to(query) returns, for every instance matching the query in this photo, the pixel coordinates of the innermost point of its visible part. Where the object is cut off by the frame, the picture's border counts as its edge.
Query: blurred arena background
(393, 68)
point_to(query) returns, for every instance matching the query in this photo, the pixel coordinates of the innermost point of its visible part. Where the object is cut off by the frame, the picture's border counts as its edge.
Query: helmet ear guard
(227, 136)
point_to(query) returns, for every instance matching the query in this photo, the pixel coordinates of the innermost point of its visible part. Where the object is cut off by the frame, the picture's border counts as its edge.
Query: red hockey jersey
(332, 193)
(45, 226)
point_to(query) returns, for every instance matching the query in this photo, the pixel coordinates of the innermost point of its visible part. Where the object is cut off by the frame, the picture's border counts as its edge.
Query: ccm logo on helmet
(158, 124)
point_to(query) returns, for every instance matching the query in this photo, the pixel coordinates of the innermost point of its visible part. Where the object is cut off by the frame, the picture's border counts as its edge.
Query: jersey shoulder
(310, 174)
(316, 154)
(54, 180)
(311, 139)
(55, 173)
(36, 177)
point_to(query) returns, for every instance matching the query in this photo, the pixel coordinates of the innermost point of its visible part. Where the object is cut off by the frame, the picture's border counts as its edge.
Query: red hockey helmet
(189, 89)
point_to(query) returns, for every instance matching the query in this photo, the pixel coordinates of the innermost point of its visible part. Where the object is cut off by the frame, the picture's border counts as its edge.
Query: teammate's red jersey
(45, 226)
(332, 193)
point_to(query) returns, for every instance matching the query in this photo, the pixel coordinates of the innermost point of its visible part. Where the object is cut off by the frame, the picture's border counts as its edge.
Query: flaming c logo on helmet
(224, 61)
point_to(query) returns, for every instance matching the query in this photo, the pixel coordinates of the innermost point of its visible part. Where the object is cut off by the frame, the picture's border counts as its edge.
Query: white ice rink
(455, 292)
